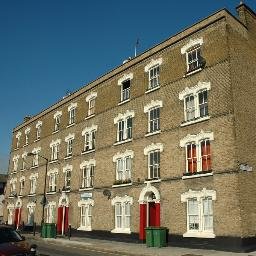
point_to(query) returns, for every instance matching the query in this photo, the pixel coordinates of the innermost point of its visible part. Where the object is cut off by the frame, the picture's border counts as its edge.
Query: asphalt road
(55, 249)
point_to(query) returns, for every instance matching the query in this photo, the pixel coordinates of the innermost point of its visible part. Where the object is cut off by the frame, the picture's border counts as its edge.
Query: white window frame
(151, 149)
(67, 169)
(196, 139)
(24, 163)
(52, 180)
(13, 182)
(50, 212)
(33, 183)
(70, 141)
(18, 135)
(152, 66)
(194, 92)
(123, 174)
(89, 134)
(15, 160)
(192, 45)
(10, 214)
(127, 92)
(22, 185)
(91, 99)
(55, 149)
(87, 175)
(27, 132)
(31, 212)
(38, 130)
(57, 117)
(86, 214)
(35, 159)
(199, 196)
(124, 132)
(124, 218)
(72, 114)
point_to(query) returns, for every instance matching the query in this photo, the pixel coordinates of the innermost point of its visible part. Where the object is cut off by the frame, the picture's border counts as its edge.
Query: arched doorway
(149, 209)
(63, 208)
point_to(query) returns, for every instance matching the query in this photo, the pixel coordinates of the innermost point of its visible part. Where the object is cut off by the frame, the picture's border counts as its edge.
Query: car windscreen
(9, 235)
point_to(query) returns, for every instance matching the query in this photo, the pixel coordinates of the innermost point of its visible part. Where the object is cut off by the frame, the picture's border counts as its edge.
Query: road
(56, 249)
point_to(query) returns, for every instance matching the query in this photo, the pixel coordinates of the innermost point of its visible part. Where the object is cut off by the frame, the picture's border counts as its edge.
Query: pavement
(132, 249)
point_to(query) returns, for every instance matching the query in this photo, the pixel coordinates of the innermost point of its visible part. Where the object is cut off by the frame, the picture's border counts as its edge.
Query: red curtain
(206, 156)
(59, 220)
(191, 158)
(17, 217)
(143, 220)
(152, 214)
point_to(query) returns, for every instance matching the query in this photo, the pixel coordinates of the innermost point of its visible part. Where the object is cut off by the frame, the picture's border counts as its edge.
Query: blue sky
(49, 47)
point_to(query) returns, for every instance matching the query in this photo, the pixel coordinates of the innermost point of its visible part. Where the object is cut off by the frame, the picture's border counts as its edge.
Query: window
(50, 212)
(87, 176)
(52, 182)
(86, 214)
(198, 152)
(10, 214)
(13, 186)
(27, 131)
(153, 152)
(192, 50)
(57, 123)
(15, 163)
(23, 164)
(124, 126)
(33, 182)
(69, 139)
(35, 158)
(91, 98)
(38, 130)
(126, 88)
(22, 185)
(122, 214)
(31, 213)
(55, 149)
(89, 137)
(199, 213)
(195, 102)
(18, 135)
(67, 179)
(72, 114)
(123, 167)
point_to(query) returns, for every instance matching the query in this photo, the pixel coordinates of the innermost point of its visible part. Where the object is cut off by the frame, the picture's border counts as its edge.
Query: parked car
(13, 244)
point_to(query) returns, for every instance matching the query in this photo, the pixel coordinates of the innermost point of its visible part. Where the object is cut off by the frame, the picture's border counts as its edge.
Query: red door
(152, 214)
(17, 216)
(62, 222)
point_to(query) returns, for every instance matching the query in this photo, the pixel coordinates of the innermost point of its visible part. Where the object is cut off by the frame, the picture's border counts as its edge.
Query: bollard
(34, 228)
(69, 232)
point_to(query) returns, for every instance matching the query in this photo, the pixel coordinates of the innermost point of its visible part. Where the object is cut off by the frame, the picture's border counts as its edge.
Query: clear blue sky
(49, 47)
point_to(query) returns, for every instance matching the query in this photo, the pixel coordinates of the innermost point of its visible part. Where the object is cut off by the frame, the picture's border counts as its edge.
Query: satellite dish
(107, 193)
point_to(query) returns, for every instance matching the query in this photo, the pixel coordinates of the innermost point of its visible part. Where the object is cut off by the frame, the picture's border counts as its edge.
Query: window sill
(70, 125)
(87, 152)
(51, 192)
(199, 234)
(121, 230)
(22, 170)
(25, 145)
(55, 131)
(192, 72)
(67, 157)
(85, 189)
(53, 161)
(152, 89)
(31, 195)
(122, 185)
(152, 180)
(37, 140)
(20, 196)
(152, 133)
(85, 228)
(197, 120)
(197, 175)
(10, 196)
(34, 167)
(90, 116)
(122, 142)
(66, 190)
(123, 102)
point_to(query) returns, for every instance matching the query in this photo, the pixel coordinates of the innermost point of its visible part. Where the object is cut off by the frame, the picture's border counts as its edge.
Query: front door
(152, 214)
(62, 223)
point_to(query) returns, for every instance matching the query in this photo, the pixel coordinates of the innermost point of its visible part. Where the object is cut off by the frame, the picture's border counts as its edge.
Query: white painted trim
(196, 138)
(198, 120)
(153, 63)
(72, 106)
(55, 142)
(67, 167)
(123, 155)
(152, 147)
(18, 135)
(198, 194)
(153, 104)
(121, 230)
(52, 171)
(190, 44)
(33, 175)
(148, 189)
(27, 130)
(58, 113)
(22, 178)
(202, 234)
(10, 206)
(63, 197)
(128, 113)
(90, 96)
(70, 136)
(195, 89)
(122, 200)
(84, 228)
(124, 78)
(197, 176)
(85, 202)
(38, 124)
(31, 204)
(87, 163)
(18, 203)
(36, 150)
(13, 180)
(89, 129)
(51, 203)
(122, 185)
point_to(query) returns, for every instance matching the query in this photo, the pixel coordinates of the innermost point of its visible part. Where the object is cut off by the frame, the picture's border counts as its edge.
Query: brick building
(165, 139)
